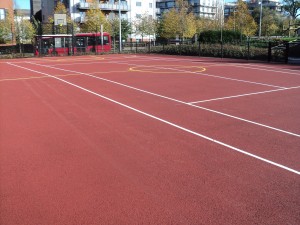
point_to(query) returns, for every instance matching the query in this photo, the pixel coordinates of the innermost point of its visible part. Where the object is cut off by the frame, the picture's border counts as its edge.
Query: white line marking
(248, 65)
(236, 96)
(175, 100)
(209, 75)
(184, 71)
(167, 122)
(264, 69)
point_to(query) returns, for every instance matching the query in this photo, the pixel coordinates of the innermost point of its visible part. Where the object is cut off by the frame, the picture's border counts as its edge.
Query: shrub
(214, 36)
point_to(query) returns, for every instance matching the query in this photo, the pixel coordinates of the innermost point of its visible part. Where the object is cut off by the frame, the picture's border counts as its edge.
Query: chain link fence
(269, 51)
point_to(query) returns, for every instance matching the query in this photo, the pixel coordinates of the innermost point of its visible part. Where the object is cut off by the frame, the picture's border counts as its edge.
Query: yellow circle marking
(198, 69)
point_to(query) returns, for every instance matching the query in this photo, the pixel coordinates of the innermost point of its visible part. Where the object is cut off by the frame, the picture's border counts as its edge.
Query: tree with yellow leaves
(59, 9)
(5, 29)
(178, 22)
(241, 20)
(94, 18)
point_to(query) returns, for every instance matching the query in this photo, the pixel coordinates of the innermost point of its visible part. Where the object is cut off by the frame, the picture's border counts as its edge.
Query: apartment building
(131, 10)
(109, 7)
(138, 9)
(271, 4)
(78, 8)
(7, 13)
(35, 7)
(201, 8)
(230, 7)
(48, 7)
(6, 9)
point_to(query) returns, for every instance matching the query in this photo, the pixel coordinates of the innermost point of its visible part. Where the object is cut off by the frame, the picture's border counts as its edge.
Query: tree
(292, 8)
(24, 30)
(59, 9)
(169, 24)
(94, 18)
(204, 24)
(5, 30)
(115, 28)
(190, 26)
(178, 21)
(271, 21)
(187, 21)
(145, 25)
(242, 20)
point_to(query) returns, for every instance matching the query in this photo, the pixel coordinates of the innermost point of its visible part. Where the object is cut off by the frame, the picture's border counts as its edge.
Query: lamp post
(222, 26)
(120, 28)
(260, 18)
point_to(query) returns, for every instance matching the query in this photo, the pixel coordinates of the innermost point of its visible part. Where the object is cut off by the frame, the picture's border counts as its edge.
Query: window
(138, 3)
(150, 5)
(2, 14)
(170, 4)
(138, 16)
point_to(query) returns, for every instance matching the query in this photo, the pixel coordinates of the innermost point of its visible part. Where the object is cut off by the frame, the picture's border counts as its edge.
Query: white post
(101, 30)
(260, 18)
(120, 28)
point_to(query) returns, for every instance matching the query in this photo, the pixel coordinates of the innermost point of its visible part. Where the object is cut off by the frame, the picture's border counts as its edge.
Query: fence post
(136, 47)
(199, 48)
(248, 49)
(269, 51)
(221, 49)
(287, 48)
(54, 49)
(40, 47)
(180, 47)
(96, 41)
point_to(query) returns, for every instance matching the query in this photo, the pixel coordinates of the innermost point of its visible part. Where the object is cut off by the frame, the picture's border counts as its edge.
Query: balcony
(104, 6)
(80, 19)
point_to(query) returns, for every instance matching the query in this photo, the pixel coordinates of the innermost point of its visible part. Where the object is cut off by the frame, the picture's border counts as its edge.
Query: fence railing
(262, 51)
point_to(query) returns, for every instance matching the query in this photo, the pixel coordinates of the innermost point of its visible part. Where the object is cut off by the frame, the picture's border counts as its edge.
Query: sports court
(149, 139)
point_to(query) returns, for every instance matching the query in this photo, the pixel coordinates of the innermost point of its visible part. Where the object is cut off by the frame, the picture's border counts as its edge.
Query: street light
(120, 30)
(260, 18)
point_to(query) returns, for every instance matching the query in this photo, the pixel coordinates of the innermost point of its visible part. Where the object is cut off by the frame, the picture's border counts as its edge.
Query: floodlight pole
(120, 28)
(222, 26)
(260, 18)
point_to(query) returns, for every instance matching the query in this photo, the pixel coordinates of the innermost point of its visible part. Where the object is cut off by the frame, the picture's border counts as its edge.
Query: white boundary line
(225, 63)
(199, 73)
(175, 100)
(147, 58)
(180, 70)
(236, 96)
(264, 69)
(167, 122)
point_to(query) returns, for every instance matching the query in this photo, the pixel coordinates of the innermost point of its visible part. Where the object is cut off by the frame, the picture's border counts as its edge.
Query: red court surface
(149, 139)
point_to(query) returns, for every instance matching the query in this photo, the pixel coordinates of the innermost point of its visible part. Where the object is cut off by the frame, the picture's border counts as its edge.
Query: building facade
(109, 7)
(139, 9)
(35, 7)
(201, 8)
(131, 10)
(230, 7)
(78, 8)
(48, 6)
(6, 9)
(7, 13)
